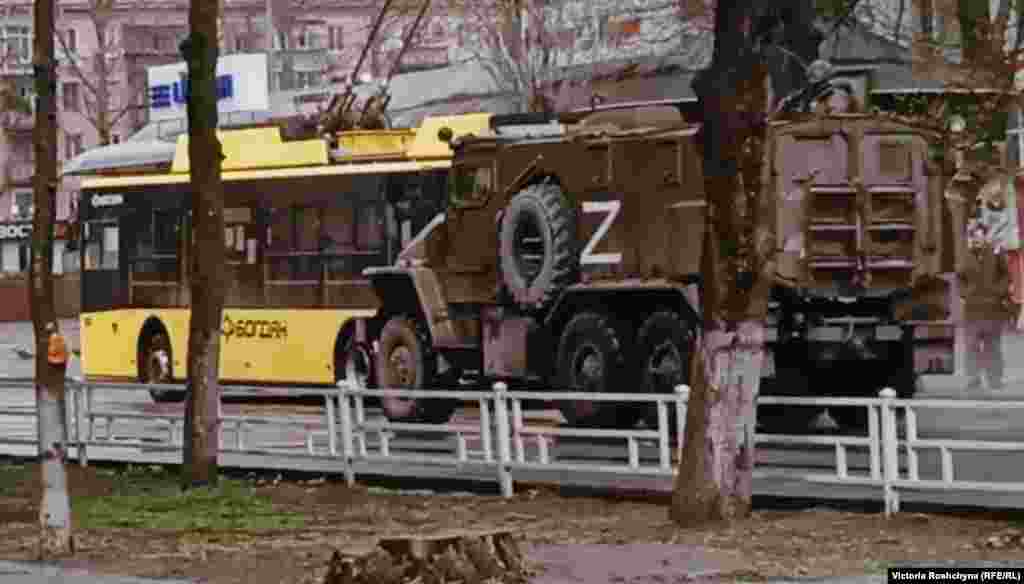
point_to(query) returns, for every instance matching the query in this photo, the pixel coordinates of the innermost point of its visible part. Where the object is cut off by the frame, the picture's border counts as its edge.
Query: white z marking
(611, 210)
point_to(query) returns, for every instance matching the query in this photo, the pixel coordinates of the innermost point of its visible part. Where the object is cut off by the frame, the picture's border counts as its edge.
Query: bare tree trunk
(55, 508)
(715, 479)
(103, 125)
(208, 289)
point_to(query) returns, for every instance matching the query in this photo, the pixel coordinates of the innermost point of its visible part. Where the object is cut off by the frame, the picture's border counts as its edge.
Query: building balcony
(16, 68)
(17, 123)
(20, 173)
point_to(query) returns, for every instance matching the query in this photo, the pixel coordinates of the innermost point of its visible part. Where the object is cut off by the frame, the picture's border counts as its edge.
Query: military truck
(569, 257)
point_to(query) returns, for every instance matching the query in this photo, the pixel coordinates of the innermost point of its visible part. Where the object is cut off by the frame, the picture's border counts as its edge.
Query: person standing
(985, 289)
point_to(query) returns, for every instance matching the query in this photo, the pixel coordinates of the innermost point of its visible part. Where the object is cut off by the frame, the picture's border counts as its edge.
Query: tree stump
(482, 557)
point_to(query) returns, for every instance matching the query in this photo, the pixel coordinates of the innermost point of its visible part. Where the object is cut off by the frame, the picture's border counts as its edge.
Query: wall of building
(67, 296)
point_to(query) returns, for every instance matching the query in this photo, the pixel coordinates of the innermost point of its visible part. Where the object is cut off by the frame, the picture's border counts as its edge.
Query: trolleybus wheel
(157, 367)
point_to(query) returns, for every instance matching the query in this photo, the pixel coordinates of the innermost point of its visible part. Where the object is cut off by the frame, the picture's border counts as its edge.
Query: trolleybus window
(101, 245)
(341, 238)
(166, 230)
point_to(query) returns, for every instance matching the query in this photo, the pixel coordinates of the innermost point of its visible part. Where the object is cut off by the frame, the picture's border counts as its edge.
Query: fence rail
(502, 444)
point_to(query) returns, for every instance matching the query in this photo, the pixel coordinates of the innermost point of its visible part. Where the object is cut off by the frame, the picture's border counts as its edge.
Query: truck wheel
(407, 361)
(155, 366)
(590, 360)
(536, 239)
(786, 419)
(664, 347)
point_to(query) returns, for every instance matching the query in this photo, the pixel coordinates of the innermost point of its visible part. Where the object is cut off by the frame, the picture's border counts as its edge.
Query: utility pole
(51, 350)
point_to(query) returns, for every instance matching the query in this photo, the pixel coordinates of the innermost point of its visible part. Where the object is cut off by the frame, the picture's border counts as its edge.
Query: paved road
(40, 573)
(16, 338)
(998, 424)
(781, 465)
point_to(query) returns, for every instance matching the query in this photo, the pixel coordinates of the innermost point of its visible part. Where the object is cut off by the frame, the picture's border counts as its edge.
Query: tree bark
(207, 282)
(55, 507)
(716, 469)
(103, 125)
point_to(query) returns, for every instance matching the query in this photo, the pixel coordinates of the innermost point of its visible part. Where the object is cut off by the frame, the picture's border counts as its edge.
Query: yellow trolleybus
(302, 221)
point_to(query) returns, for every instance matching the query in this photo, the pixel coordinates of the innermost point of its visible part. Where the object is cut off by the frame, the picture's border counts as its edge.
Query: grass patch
(151, 498)
(876, 567)
(11, 473)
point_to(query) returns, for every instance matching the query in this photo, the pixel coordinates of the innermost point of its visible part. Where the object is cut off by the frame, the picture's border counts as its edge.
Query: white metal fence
(502, 443)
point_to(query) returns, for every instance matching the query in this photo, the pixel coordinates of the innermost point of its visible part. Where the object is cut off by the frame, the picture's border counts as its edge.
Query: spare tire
(537, 245)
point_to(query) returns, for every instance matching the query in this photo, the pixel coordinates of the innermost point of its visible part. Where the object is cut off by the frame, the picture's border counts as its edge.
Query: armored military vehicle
(569, 257)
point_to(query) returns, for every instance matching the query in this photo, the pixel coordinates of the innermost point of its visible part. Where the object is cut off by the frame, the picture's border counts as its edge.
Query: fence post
(220, 422)
(345, 418)
(81, 421)
(332, 431)
(890, 451)
(504, 448)
(682, 399)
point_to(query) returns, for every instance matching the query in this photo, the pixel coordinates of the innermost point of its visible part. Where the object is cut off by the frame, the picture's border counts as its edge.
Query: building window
(71, 100)
(335, 38)
(22, 207)
(281, 41)
(306, 79)
(24, 256)
(71, 40)
(72, 145)
(17, 43)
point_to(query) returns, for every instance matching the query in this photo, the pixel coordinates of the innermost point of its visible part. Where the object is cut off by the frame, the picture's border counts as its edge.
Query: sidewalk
(38, 573)
(955, 386)
(43, 573)
(17, 342)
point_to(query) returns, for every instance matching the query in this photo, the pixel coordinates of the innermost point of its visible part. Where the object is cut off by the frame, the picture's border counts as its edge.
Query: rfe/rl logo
(168, 94)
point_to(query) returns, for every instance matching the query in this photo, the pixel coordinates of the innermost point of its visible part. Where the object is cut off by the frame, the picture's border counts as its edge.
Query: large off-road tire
(406, 360)
(663, 350)
(786, 419)
(590, 359)
(537, 245)
(156, 365)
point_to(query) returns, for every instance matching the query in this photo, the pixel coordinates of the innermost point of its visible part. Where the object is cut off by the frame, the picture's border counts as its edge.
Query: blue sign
(169, 94)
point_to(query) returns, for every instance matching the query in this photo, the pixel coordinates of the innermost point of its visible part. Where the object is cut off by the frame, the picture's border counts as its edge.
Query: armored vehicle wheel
(783, 419)
(156, 367)
(664, 347)
(590, 359)
(407, 361)
(536, 244)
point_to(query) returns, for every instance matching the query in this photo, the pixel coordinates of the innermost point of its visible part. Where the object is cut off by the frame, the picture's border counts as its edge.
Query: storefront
(15, 243)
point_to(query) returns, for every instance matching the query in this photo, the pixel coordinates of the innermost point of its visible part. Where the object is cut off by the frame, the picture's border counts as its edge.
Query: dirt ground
(772, 543)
